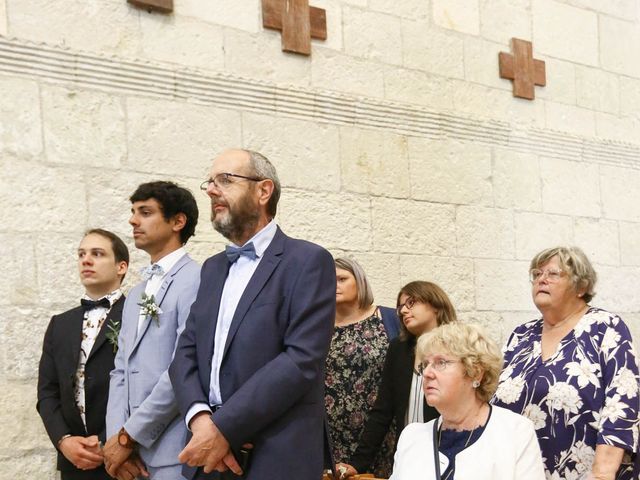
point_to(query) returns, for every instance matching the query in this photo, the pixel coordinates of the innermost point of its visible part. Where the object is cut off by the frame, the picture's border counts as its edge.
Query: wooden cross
(298, 22)
(522, 68)
(164, 6)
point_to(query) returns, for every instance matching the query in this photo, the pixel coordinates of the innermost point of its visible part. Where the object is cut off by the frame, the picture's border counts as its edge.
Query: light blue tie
(152, 270)
(233, 253)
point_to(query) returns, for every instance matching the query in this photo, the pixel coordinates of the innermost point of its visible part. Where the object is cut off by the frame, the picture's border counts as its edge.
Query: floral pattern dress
(586, 394)
(353, 373)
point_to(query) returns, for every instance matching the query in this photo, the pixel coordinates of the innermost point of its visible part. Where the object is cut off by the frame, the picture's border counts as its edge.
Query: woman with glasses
(421, 307)
(471, 439)
(574, 373)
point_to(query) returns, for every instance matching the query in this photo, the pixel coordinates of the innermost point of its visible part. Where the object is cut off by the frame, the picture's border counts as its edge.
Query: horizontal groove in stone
(83, 69)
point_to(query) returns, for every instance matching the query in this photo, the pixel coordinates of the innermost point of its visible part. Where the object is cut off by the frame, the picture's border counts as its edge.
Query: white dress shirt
(240, 272)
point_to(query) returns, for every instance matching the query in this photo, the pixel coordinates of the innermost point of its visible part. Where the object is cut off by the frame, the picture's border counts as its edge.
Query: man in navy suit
(248, 368)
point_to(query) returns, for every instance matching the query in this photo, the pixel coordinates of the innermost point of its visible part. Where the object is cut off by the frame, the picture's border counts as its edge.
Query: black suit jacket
(56, 377)
(391, 403)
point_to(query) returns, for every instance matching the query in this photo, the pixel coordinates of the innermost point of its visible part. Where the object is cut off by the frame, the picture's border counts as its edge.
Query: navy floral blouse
(586, 394)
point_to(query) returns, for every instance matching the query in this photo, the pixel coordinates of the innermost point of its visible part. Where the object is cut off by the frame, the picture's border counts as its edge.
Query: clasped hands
(121, 462)
(208, 448)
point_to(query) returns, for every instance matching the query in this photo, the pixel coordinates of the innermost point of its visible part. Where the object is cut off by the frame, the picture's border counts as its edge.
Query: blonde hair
(479, 355)
(575, 262)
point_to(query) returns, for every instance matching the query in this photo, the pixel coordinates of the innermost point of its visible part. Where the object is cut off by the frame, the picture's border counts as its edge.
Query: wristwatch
(124, 440)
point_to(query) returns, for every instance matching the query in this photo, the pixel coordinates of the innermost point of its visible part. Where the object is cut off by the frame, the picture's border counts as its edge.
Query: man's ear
(179, 221)
(122, 268)
(265, 190)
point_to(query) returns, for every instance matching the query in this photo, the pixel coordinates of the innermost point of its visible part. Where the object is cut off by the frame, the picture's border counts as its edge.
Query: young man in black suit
(77, 356)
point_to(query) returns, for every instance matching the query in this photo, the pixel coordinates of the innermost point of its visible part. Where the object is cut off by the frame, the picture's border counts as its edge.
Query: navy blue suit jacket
(272, 372)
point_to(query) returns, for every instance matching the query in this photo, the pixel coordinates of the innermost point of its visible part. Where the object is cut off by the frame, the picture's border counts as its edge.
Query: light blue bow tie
(233, 253)
(152, 270)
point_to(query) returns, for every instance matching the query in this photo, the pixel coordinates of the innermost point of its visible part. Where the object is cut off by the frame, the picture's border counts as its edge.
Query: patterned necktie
(152, 270)
(233, 253)
(87, 304)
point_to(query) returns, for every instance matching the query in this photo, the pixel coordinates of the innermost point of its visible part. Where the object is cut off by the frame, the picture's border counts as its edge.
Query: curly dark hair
(173, 199)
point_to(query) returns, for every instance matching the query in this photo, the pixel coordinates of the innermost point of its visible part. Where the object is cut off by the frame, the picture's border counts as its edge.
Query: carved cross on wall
(164, 6)
(522, 68)
(298, 22)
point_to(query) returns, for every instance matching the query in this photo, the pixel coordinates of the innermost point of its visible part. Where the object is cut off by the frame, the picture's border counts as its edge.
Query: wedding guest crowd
(274, 361)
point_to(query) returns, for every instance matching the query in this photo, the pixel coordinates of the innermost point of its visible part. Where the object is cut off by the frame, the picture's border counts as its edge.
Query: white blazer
(507, 450)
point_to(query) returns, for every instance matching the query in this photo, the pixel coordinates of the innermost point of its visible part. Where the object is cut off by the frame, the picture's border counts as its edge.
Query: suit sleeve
(159, 409)
(283, 381)
(117, 403)
(49, 405)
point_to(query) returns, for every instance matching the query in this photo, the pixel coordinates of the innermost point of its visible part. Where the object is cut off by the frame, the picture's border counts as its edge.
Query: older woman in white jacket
(471, 440)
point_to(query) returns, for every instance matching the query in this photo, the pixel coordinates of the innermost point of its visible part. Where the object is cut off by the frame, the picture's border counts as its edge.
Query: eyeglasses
(409, 304)
(439, 365)
(223, 181)
(552, 274)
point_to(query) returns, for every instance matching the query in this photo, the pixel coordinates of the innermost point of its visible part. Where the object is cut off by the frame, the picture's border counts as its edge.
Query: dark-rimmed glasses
(409, 304)
(223, 181)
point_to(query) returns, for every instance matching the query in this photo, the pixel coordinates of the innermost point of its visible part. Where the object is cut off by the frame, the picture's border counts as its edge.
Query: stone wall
(396, 142)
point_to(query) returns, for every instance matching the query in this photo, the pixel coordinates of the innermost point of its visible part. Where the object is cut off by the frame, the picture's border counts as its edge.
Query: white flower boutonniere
(149, 308)
(112, 333)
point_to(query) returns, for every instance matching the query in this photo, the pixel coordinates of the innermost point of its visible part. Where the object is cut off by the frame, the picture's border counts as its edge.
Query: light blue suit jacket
(140, 394)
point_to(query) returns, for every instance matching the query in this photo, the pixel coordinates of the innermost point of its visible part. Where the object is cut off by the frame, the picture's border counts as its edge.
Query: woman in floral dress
(574, 373)
(354, 364)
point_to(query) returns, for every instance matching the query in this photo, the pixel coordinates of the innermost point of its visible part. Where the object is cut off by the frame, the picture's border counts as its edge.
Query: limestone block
(626, 9)
(453, 275)
(374, 162)
(3, 17)
(331, 70)
(260, 56)
(565, 32)
(245, 15)
(500, 20)
(450, 171)
(200, 249)
(83, 127)
(597, 89)
(29, 464)
(616, 37)
(58, 278)
(430, 50)
(305, 154)
(571, 119)
(570, 188)
(491, 322)
(17, 408)
(43, 198)
(536, 231)
(334, 23)
(165, 136)
(513, 319)
(413, 227)
(107, 27)
(460, 15)
(21, 333)
(563, 87)
(622, 129)
(383, 272)
(629, 244)
(485, 232)
(620, 193)
(406, 8)
(20, 120)
(617, 288)
(182, 40)
(516, 180)
(372, 35)
(416, 87)
(630, 92)
(329, 219)
(599, 239)
(633, 322)
(481, 63)
(19, 283)
(502, 285)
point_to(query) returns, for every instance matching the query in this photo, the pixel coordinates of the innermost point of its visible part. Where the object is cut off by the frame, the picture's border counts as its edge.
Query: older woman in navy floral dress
(574, 373)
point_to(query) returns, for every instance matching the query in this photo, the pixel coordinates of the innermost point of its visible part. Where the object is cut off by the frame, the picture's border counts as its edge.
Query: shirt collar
(263, 238)
(112, 296)
(168, 261)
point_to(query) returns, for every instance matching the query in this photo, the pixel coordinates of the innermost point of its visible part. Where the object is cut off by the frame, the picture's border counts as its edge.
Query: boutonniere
(149, 308)
(113, 330)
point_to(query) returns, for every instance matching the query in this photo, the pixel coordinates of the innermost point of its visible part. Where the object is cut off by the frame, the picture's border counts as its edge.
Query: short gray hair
(264, 169)
(365, 294)
(575, 262)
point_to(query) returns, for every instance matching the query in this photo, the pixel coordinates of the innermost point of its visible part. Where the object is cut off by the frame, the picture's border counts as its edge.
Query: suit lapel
(260, 277)
(115, 312)
(75, 331)
(216, 276)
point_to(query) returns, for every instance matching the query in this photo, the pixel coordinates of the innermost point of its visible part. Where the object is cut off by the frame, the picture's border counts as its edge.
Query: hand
(208, 448)
(132, 468)
(115, 455)
(344, 470)
(83, 452)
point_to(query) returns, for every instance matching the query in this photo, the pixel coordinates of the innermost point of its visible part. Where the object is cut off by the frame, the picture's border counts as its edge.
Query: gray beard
(236, 225)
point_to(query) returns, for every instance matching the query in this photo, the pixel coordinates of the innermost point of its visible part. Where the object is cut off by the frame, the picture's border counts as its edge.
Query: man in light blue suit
(142, 414)
(249, 366)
